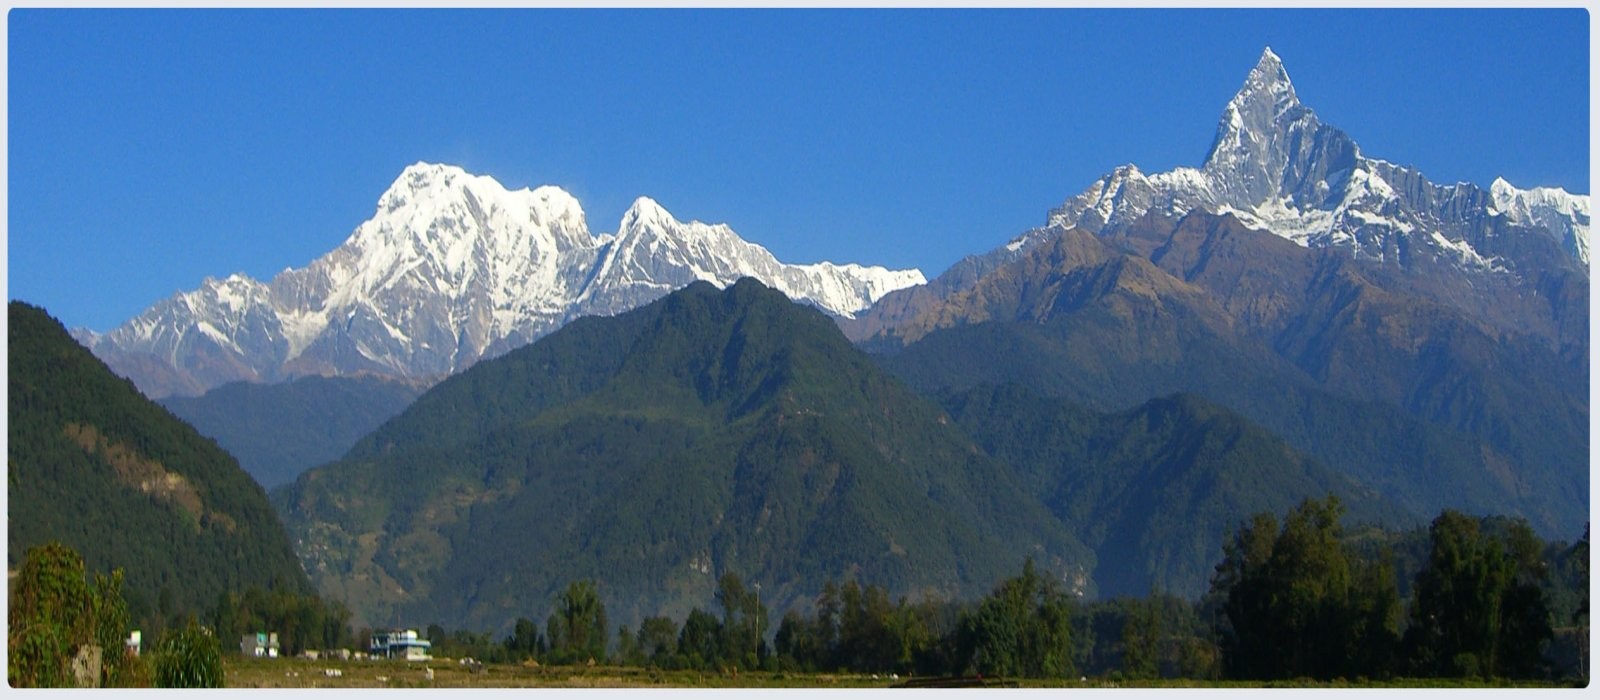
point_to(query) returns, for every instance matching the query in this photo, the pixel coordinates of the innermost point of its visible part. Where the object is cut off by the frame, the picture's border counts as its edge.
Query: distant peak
(646, 211)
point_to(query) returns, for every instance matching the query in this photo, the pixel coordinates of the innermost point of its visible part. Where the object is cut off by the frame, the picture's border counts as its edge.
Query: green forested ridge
(95, 465)
(1152, 489)
(279, 430)
(707, 432)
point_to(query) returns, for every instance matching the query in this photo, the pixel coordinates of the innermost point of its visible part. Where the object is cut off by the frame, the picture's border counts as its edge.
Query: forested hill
(709, 432)
(94, 464)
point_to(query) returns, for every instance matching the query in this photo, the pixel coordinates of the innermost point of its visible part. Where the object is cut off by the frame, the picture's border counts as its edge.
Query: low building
(400, 645)
(260, 644)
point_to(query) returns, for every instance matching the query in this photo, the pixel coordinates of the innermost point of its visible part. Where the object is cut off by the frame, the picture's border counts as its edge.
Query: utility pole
(755, 645)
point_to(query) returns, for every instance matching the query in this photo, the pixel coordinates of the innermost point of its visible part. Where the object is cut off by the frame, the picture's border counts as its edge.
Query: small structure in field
(401, 645)
(260, 644)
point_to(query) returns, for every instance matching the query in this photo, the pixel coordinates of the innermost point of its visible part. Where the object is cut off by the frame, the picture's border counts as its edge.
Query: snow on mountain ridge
(1276, 167)
(451, 268)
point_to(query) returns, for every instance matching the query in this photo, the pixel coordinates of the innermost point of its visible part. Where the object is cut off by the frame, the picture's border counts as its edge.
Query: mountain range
(1390, 330)
(736, 431)
(1109, 393)
(450, 269)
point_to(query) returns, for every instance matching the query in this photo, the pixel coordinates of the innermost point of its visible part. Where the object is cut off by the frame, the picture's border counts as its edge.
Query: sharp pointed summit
(1275, 166)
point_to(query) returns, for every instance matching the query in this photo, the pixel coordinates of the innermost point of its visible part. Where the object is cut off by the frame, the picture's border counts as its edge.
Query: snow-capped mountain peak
(654, 253)
(1565, 215)
(646, 212)
(451, 268)
(1275, 166)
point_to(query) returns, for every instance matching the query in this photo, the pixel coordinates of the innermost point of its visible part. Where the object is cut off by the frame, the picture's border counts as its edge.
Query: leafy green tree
(658, 639)
(1023, 628)
(699, 644)
(796, 643)
(826, 628)
(1296, 601)
(744, 620)
(581, 621)
(1477, 606)
(189, 657)
(628, 653)
(524, 640)
(54, 613)
(867, 641)
(1141, 640)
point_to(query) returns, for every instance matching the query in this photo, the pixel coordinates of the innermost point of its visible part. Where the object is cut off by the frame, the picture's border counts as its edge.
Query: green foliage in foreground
(54, 613)
(190, 657)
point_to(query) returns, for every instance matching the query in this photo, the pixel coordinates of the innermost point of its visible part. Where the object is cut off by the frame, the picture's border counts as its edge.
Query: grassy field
(300, 673)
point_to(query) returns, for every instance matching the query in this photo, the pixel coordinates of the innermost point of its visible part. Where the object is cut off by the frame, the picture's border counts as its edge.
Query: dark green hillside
(705, 433)
(94, 464)
(1153, 489)
(279, 430)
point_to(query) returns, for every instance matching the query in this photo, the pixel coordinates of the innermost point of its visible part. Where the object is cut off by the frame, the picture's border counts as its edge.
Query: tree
(826, 628)
(796, 643)
(658, 639)
(1023, 628)
(866, 640)
(743, 618)
(1238, 593)
(524, 640)
(1477, 607)
(54, 613)
(628, 652)
(581, 618)
(1296, 601)
(699, 643)
(1141, 639)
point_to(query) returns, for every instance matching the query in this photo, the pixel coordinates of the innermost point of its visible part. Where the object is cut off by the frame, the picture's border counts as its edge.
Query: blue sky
(151, 148)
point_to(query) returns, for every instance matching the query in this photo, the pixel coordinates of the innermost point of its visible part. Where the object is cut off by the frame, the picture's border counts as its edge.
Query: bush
(189, 658)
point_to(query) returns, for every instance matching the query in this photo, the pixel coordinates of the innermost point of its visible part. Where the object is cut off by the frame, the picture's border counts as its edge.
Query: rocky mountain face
(1276, 167)
(1514, 259)
(1393, 389)
(451, 268)
(1307, 286)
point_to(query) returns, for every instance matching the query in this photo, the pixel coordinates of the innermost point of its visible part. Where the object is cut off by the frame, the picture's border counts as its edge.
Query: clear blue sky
(151, 148)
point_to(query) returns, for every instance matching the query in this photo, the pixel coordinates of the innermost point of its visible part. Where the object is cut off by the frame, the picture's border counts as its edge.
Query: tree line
(1291, 599)
(1300, 598)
